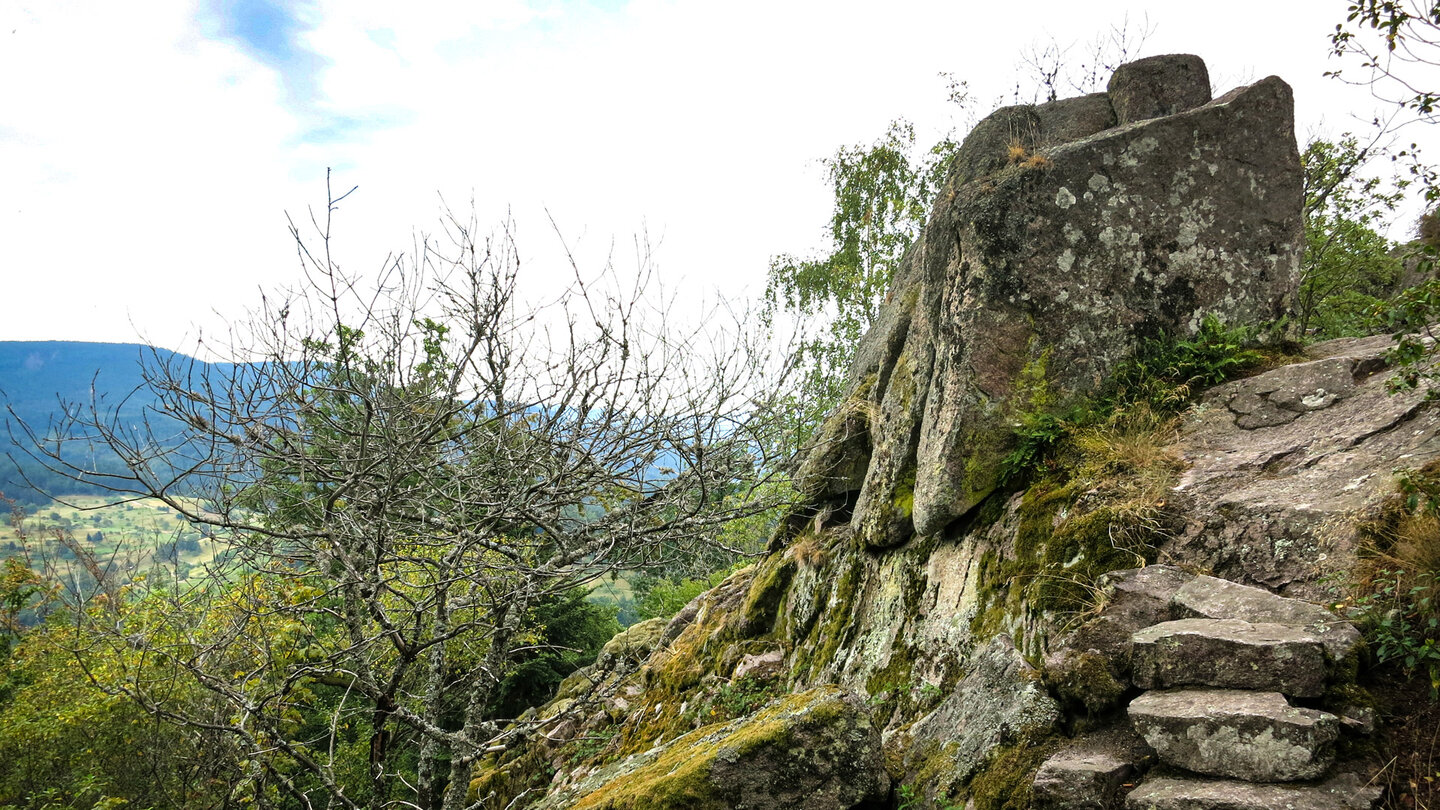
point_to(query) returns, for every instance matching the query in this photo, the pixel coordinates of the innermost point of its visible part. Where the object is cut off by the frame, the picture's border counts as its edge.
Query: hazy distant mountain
(36, 376)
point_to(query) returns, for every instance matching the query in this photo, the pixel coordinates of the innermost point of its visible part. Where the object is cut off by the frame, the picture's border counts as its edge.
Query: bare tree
(1396, 46)
(402, 471)
(1050, 68)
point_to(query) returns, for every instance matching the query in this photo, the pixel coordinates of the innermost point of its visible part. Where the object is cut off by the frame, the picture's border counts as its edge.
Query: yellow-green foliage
(64, 742)
(1395, 597)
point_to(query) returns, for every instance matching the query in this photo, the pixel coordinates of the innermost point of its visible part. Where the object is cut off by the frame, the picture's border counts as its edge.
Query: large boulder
(816, 750)
(1158, 85)
(1058, 243)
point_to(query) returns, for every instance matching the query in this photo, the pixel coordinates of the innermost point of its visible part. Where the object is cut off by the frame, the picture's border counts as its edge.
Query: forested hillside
(39, 380)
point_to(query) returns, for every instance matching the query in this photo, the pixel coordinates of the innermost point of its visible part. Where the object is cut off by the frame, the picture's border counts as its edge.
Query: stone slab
(1255, 736)
(1344, 792)
(1229, 653)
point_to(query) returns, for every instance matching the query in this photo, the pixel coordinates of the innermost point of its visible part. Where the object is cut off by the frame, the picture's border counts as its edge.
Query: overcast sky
(150, 150)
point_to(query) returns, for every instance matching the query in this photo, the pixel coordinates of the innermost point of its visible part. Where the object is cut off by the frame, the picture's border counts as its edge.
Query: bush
(1396, 596)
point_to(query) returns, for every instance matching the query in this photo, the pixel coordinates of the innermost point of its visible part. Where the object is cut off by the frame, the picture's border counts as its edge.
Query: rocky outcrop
(1056, 245)
(1275, 504)
(966, 643)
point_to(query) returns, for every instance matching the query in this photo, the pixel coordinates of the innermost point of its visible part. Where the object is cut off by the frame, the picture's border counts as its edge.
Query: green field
(129, 532)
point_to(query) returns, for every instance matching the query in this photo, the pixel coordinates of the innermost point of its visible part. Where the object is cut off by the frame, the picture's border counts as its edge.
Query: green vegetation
(1350, 270)
(882, 194)
(1395, 598)
(1161, 379)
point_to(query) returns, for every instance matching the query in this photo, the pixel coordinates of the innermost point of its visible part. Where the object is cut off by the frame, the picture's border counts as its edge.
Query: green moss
(828, 634)
(679, 778)
(902, 382)
(1060, 553)
(496, 785)
(1007, 779)
(929, 767)
(902, 503)
(767, 590)
(1085, 686)
(1032, 386)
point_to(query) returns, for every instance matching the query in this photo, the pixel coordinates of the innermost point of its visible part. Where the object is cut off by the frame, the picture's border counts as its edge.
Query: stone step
(1255, 736)
(1212, 598)
(1081, 780)
(1343, 792)
(1229, 653)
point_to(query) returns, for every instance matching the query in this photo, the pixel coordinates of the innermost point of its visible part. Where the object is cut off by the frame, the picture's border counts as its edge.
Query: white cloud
(145, 168)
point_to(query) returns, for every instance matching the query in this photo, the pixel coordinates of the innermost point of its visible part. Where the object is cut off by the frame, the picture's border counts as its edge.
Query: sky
(150, 152)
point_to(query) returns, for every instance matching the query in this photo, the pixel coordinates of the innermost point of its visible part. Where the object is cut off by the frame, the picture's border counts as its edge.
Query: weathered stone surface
(760, 665)
(1058, 242)
(986, 148)
(1081, 780)
(1276, 506)
(816, 751)
(836, 460)
(1282, 395)
(1057, 270)
(1214, 598)
(999, 699)
(1143, 596)
(1229, 653)
(1344, 792)
(1158, 85)
(633, 644)
(1070, 119)
(1256, 736)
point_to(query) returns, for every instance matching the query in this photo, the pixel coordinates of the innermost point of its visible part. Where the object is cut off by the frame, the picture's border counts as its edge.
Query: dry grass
(1128, 457)
(1394, 597)
(807, 552)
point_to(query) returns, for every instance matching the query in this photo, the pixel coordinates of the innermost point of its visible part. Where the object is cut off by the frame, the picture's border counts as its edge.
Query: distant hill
(36, 376)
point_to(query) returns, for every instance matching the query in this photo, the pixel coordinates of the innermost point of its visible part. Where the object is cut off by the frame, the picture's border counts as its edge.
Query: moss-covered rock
(817, 750)
(999, 702)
